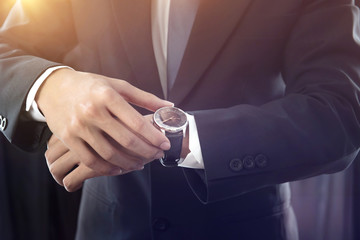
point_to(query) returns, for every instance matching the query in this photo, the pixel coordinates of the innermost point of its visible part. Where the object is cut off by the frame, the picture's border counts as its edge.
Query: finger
(89, 157)
(62, 166)
(116, 129)
(159, 154)
(53, 139)
(55, 151)
(74, 180)
(137, 123)
(110, 151)
(139, 97)
(136, 145)
(149, 118)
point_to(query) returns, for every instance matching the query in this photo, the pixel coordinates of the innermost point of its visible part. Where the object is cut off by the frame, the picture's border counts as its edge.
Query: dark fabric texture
(33, 205)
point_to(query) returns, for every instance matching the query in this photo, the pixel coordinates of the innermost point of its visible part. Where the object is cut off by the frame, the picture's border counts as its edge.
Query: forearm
(275, 143)
(311, 128)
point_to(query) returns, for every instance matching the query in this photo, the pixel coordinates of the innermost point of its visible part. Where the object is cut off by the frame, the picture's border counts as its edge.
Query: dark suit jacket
(32, 205)
(273, 85)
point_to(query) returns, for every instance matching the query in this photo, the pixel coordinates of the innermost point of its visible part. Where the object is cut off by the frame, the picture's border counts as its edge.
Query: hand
(91, 115)
(70, 173)
(65, 166)
(67, 169)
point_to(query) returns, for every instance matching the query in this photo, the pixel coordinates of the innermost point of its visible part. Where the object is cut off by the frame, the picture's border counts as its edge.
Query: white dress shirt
(160, 21)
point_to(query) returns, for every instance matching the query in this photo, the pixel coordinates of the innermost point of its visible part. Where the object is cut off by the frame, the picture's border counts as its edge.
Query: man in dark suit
(273, 88)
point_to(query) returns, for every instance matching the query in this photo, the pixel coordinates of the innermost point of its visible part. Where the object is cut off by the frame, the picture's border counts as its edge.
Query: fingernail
(165, 146)
(170, 103)
(116, 171)
(159, 155)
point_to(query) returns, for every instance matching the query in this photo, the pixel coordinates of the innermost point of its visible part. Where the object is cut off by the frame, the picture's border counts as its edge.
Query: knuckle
(75, 125)
(89, 110)
(138, 123)
(106, 94)
(97, 166)
(109, 154)
(91, 140)
(90, 161)
(69, 185)
(130, 143)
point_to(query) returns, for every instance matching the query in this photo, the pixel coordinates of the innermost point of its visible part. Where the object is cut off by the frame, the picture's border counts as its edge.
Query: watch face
(170, 119)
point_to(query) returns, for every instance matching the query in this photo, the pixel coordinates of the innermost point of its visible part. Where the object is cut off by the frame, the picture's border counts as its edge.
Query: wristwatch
(173, 122)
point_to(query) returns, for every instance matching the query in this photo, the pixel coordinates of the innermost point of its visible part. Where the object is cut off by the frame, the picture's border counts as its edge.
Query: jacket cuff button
(160, 224)
(248, 162)
(236, 165)
(3, 123)
(261, 161)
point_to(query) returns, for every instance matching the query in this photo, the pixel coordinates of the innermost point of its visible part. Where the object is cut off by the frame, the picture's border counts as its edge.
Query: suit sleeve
(34, 37)
(313, 129)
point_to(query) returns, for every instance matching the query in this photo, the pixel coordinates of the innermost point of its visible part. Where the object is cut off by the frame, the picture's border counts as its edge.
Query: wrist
(49, 87)
(173, 121)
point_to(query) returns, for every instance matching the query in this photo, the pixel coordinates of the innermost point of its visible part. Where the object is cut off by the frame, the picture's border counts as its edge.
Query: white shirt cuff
(31, 106)
(194, 159)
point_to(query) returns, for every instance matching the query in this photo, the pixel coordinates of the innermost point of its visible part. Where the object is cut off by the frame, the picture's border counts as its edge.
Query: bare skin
(67, 169)
(96, 128)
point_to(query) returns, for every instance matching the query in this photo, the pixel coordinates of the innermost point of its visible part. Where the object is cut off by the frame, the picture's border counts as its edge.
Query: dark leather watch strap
(172, 156)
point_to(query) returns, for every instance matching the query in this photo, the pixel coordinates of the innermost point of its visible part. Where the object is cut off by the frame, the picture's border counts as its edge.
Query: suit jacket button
(248, 162)
(161, 224)
(261, 160)
(236, 165)
(3, 123)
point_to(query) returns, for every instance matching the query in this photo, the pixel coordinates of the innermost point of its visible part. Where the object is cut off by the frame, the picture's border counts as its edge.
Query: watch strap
(172, 156)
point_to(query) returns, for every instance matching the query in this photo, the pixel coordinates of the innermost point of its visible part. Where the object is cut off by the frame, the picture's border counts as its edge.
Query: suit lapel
(134, 23)
(212, 27)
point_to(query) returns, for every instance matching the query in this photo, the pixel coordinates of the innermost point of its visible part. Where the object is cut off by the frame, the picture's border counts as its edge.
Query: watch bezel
(168, 128)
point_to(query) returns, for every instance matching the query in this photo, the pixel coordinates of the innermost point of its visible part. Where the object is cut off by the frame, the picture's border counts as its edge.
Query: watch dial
(170, 117)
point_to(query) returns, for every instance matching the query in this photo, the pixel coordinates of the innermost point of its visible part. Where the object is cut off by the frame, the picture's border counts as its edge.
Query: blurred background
(5, 5)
